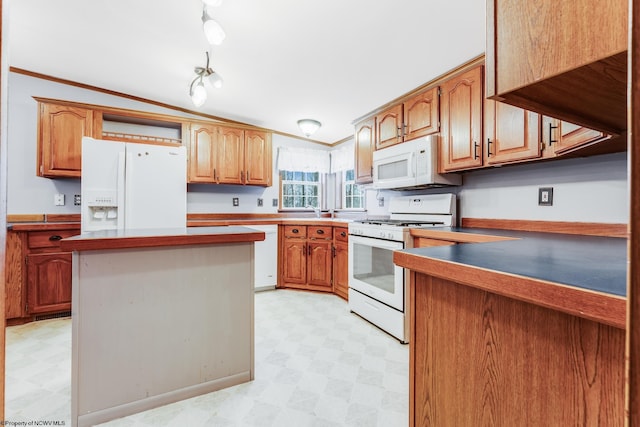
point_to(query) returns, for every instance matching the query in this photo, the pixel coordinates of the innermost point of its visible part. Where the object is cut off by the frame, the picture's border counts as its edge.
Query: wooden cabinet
(561, 137)
(37, 273)
(306, 257)
(231, 155)
(556, 58)
(228, 155)
(478, 132)
(60, 132)
(511, 134)
(364, 147)
(341, 262)
(258, 158)
(203, 154)
(461, 112)
(415, 117)
(48, 282)
(389, 127)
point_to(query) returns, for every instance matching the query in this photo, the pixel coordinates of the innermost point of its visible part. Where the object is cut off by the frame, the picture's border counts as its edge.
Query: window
(300, 189)
(352, 194)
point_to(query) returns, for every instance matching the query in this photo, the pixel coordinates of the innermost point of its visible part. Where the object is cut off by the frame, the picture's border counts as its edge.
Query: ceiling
(282, 60)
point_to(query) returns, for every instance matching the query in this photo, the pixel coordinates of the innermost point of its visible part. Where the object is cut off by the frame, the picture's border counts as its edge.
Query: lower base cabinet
(306, 257)
(37, 274)
(341, 262)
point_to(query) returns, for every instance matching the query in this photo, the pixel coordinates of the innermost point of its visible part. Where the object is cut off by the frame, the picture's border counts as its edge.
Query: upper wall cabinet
(60, 132)
(364, 147)
(564, 59)
(415, 117)
(229, 155)
(562, 137)
(511, 133)
(462, 133)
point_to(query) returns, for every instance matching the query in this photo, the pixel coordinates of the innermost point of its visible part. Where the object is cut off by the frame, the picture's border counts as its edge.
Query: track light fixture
(197, 90)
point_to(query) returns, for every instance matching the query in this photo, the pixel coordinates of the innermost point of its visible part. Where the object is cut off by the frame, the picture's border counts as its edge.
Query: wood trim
(456, 236)
(63, 218)
(3, 195)
(564, 227)
(633, 257)
(600, 307)
(25, 218)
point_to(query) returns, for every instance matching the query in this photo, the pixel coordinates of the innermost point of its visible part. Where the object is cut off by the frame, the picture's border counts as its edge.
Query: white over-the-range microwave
(410, 165)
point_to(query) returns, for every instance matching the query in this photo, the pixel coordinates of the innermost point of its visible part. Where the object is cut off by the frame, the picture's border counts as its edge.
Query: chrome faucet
(316, 210)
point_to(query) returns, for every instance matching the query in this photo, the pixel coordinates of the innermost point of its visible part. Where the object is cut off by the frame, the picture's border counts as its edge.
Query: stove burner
(400, 222)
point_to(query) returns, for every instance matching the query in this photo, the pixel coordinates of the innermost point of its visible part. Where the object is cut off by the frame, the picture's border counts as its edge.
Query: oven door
(372, 271)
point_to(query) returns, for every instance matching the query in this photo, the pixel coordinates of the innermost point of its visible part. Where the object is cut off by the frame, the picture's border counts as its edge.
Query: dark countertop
(158, 237)
(581, 275)
(589, 262)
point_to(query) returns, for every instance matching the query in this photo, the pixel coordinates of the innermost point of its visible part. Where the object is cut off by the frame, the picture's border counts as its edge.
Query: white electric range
(377, 287)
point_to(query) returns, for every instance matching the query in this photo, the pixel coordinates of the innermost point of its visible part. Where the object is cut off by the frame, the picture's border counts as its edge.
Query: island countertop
(154, 237)
(581, 275)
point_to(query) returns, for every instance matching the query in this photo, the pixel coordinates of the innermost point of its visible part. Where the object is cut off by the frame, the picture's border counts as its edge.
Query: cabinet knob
(343, 234)
(55, 237)
(295, 231)
(320, 231)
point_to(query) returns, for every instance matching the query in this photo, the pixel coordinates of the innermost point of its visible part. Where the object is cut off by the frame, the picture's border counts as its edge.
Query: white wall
(30, 194)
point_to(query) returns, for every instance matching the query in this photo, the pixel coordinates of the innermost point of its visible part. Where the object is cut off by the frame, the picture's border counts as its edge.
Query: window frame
(343, 192)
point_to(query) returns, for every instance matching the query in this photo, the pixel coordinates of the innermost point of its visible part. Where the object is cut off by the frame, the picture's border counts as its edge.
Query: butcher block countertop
(581, 275)
(144, 238)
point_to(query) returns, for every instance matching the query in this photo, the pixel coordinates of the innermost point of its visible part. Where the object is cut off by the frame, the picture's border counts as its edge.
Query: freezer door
(155, 186)
(102, 185)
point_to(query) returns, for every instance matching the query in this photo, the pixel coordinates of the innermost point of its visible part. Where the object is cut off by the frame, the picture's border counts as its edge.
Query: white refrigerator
(132, 186)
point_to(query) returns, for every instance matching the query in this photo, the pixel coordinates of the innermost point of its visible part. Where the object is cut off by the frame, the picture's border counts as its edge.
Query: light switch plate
(274, 203)
(259, 202)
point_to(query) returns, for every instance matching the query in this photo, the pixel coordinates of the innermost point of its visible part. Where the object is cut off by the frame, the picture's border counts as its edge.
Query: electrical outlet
(77, 200)
(274, 203)
(545, 196)
(236, 201)
(259, 202)
(58, 200)
(381, 201)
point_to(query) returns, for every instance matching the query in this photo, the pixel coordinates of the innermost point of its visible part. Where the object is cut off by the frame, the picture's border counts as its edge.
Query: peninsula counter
(159, 316)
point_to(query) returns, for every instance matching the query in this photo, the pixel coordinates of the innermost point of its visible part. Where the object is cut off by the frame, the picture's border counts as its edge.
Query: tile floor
(316, 365)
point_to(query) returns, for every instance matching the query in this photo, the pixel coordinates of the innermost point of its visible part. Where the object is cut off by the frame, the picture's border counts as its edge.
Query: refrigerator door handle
(123, 169)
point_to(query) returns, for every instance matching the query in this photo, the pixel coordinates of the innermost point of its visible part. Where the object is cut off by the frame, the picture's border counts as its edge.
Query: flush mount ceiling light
(197, 90)
(309, 126)
(212, 3)
(212, 30)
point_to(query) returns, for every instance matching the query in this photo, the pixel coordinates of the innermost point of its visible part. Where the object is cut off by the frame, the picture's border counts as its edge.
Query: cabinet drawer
(341, 234)
(319, 232)
(48, 239)
(299, 231)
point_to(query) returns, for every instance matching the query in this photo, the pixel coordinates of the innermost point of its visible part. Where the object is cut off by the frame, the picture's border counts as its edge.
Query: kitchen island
(524, 331)
(158, 316)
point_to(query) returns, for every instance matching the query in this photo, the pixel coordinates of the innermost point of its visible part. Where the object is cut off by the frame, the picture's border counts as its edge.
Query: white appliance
(130, 185)
(266, 258)
(410, 165)
(377, 287)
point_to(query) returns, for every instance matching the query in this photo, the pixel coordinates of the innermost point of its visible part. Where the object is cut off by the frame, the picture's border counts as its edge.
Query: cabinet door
(61, 129)
(364, 146)
(15, 292)
(231, 155)
(259, 168)
(319, 263)
(341, 269)
(389, 127)
(294, 266)
(573, 136)
(202, 153)
(512, 134)
(461, 112)
(421, 114)
(48, 282)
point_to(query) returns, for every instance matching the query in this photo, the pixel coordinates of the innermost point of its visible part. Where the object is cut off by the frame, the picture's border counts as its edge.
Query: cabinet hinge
(439, 92)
